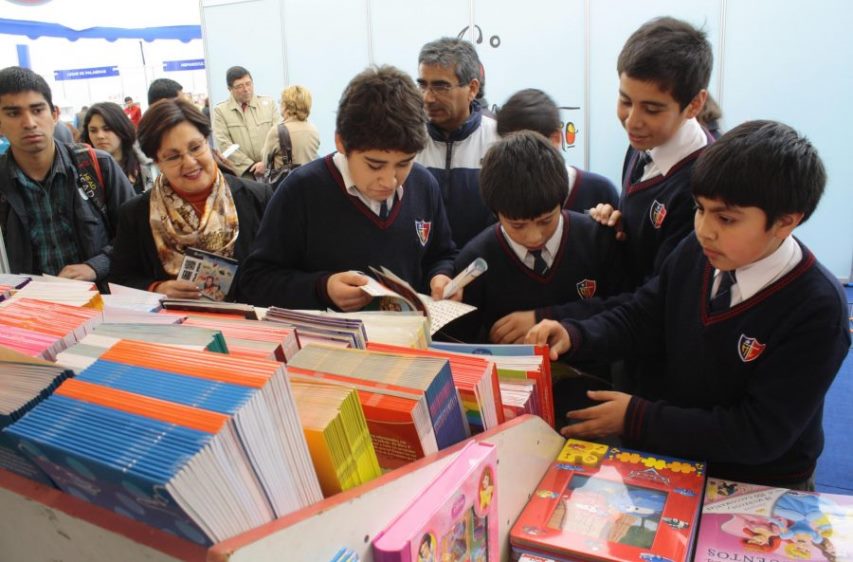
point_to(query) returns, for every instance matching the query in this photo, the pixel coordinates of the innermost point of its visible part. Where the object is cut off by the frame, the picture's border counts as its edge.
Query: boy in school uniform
(664, 69)
(534, 110)
(539, 254)
(368, 204)
(751, 327)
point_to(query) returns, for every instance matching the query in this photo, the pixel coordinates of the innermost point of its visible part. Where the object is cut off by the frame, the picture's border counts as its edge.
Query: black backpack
(272, 175)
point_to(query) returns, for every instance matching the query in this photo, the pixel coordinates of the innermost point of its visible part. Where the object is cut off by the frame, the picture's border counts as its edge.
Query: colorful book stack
(61, 291)
(212, 308)
(524, 372)
(454, 518)
(336, 432)
(9, 283)
(394, 328)
(609, 504)
(410, 403)
(85, 352)
(326, 330)
(43, 329)
(476, 379)
(747, 522)
(251, 338)
(202, 445)
(24, 381)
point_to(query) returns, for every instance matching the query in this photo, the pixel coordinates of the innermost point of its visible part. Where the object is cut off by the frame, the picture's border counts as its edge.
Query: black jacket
(135, 259)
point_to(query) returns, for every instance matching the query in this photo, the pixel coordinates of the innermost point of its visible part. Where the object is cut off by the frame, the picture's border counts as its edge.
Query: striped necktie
(540, 266)
(722, 300)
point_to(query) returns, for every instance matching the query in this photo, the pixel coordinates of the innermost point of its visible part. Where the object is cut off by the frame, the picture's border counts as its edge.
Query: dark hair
(14, 80)
(455, 54)
(163, 89)
(127, 99)
(671, 53)
(523, 176)
(382, 109)
(762, 164)
(529, 109)
(117, 121)
(162, 117)
(235, 73)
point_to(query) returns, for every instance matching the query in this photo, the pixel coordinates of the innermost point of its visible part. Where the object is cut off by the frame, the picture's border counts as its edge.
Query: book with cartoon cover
(604, 503)
(213, 273)
(748, 521)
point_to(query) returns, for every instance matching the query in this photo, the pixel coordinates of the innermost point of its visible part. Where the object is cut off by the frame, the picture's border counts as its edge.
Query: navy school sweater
(589, 190)
(313, 228)
(742, 388)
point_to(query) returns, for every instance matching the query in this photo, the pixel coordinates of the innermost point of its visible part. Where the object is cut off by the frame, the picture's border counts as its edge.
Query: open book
(213, 273)
(395, 294)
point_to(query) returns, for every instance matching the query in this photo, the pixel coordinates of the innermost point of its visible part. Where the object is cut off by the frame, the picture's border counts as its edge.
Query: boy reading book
(751, 327)
(368, 204)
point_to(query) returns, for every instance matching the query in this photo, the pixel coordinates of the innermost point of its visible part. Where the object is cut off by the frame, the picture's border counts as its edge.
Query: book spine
(445, 410)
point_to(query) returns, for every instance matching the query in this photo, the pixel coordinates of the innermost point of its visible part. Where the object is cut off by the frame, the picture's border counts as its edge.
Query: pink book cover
(761, 523)
(455, 518)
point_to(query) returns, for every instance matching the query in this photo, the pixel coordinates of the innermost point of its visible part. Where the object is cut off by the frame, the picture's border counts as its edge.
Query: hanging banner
(181, 65)
(85, 73)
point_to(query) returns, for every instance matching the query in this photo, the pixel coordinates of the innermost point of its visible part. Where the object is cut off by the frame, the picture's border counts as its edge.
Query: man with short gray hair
(460, 134)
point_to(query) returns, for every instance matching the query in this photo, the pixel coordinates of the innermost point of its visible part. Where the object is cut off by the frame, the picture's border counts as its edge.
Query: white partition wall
(773, 59)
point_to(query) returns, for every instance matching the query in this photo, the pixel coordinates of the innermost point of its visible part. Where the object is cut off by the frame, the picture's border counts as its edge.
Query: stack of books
(476, 380)
(326, 330)
(524, 372)
(24, 382)
(751, 522)
(609, 504)
(43, 329)
(9, 283)
(202, 445)
(337, 434)
(61, 291)
(251, 338)
(394, 328)
(454, 518)
(410, 403)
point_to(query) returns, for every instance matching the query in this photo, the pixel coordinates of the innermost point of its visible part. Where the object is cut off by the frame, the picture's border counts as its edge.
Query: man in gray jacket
(53, 220)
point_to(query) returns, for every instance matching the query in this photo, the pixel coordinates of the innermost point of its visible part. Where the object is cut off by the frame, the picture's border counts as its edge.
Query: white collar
(549, 252)
(689, 138)
(758, 275)
(342, 165)
(573, 176)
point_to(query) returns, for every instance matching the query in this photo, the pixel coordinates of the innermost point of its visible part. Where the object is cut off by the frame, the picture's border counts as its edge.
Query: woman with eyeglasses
(191, 205)
(106, 126)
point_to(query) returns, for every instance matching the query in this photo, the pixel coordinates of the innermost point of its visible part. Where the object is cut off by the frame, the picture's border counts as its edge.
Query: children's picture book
(605, 503)
(748, 521)
(213, 273)
(454, 519)
(394, 294)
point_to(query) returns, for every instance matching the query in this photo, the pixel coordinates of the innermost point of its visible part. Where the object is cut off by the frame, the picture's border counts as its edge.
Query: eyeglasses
(174, 159)
(438, 88)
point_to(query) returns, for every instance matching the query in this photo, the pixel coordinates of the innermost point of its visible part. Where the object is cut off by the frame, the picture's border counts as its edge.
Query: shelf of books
(51, 525)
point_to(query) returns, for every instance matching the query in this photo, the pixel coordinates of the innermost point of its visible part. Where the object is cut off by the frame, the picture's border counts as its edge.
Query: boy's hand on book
(436, 288)
(607, 418)
(513, 327)
(79, 271)
(551, 333)
(344, 290)
(179, 289)
(605, 214)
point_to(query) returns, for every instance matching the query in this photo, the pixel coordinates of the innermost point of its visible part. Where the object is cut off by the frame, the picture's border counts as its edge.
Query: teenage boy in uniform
(50, 225)
(664, 69)
(534, 110)
(368, 204)
(751, 327)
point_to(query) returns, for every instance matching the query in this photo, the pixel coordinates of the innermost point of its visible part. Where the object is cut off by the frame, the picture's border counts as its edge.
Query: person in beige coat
(304, 137)
(244, 119)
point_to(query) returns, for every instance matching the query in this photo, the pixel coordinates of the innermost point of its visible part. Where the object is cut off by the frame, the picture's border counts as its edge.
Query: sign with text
(180, 65)
(84, 73)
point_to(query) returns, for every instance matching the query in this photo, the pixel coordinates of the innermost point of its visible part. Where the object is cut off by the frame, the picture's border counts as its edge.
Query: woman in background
(107, 127)
(191, 205)
(304, 137)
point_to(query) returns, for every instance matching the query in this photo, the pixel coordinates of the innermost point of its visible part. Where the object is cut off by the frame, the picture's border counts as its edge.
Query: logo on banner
(749, 348)
(423, 228)
(586, 288)
(657, 212)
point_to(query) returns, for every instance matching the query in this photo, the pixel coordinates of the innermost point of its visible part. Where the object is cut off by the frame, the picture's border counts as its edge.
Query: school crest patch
(749, 348)
(423, 228)
(657, 212)
(586, 288)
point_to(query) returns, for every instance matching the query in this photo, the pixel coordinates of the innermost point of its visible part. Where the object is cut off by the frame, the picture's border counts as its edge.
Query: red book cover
(609, 504)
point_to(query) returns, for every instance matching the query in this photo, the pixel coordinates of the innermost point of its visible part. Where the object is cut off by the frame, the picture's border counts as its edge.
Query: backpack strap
(285, 145)
(90, 179)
